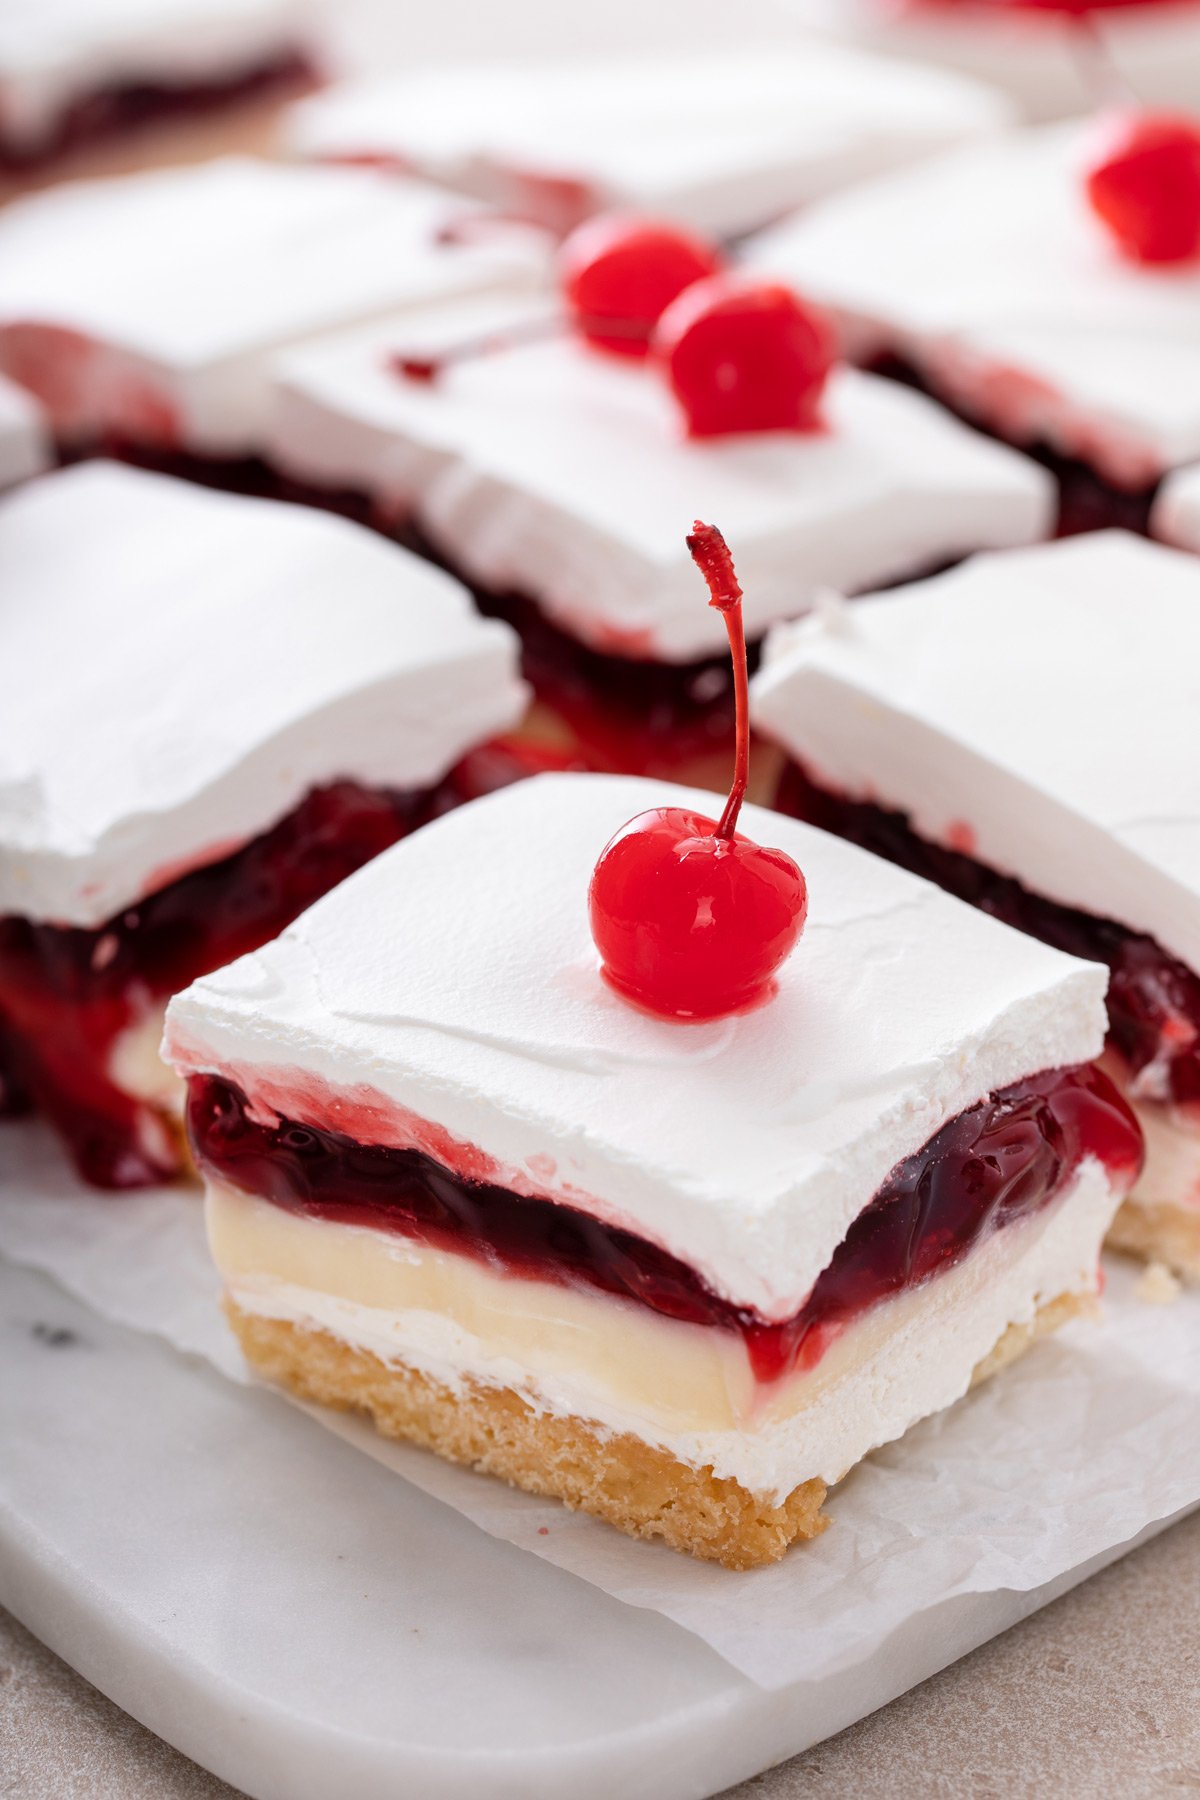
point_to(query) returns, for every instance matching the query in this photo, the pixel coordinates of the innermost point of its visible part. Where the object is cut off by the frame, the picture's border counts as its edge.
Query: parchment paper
(1042, 1474)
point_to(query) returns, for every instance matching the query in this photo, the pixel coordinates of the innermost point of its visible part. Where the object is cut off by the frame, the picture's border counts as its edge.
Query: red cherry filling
(742, 355)
(1144, 184)
(619, 274)
(691, 919)
(68, 994)
(992, 1165)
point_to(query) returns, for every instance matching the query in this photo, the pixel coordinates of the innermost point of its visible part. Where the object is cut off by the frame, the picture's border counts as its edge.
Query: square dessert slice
(985, 275)
(1004, 731)
(75, 70)
(215, 708)
(558, 481)
(721, 141)
(682, 1274)
(1033, 49)
(24, 441)
(144, 310)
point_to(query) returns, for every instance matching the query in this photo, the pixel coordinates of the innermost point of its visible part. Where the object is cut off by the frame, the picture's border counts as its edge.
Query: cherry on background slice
(744, 355)
(690, 918)
(1144, 184)
(618, 272)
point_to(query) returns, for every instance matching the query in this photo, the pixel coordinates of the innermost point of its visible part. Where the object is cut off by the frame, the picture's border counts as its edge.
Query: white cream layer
(196, 276)
(1030, 55)
(249, 650)
(1176, 514)
(560, 473)
(24, 440)
(54, 52)
(724, 142)
(986, 268)
(686, 1388)
(1013, 705)
(455, 978)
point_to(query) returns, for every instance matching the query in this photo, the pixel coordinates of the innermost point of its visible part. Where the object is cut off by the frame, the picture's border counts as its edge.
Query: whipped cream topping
(455, 977)
(249, 651)
(1175, 516)
(723, 141)
(24, 442)
(1014, 704)
(555, 471)
(53, 52)
(1034, 56)
(684, 1387)
(196, 276)
(987, 269)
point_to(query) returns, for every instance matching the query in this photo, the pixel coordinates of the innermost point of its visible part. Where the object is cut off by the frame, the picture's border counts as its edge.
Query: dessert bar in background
(680, 1274)
(73, 71)
(195, 277)
(1035, 50)
(986, 276)
(556, 480)
(216, 708)
(1023, 731)
(721, 140)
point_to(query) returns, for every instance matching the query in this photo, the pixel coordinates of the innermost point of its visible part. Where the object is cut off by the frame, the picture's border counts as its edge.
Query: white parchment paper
(1042, 1474)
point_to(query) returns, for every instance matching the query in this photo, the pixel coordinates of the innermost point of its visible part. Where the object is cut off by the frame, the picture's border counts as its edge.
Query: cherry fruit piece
(619, 272)
(692, 919)
(1145, 185)
(744, 355)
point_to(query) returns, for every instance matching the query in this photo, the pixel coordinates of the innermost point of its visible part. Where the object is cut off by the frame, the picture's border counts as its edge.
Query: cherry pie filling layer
(68, 995)
(1086, 501)
(1153, 998)
(127, 105)
(997, 1163)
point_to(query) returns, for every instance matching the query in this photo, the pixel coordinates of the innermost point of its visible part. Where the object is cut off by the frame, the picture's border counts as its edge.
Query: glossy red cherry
(1144, 183)
(744, 355)
(619, 272)
(690, 918)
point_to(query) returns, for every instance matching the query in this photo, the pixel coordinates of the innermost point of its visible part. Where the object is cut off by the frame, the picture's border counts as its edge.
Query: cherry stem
(1106, 83)
(429, 366)
(710, 553)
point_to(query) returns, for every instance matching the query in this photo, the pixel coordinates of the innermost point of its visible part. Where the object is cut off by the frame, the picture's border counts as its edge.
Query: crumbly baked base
(1157, 1231)
(643, 1491)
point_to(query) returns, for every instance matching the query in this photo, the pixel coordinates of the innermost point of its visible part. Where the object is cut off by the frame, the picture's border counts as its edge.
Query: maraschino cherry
(1144, 183)
(691, 919)
(744, 355)
(619, 273)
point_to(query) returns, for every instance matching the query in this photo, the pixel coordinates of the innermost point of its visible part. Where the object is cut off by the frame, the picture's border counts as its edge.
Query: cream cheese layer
(24, 439)
(687, 1388)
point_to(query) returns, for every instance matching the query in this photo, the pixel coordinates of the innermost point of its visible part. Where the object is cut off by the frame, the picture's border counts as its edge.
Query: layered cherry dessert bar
(144, 311)
(556, 479)
(216, 708)
(680, 1271)
(1034, 49)
(1003, 731)
(24, 440)
(75, 70)
(722, 141)
(990, 277)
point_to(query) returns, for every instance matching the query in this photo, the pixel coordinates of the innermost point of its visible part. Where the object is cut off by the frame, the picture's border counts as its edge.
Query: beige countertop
(1096, 1696)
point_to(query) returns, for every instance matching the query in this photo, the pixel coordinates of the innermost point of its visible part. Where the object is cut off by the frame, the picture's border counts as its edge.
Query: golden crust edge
(637, 1487)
